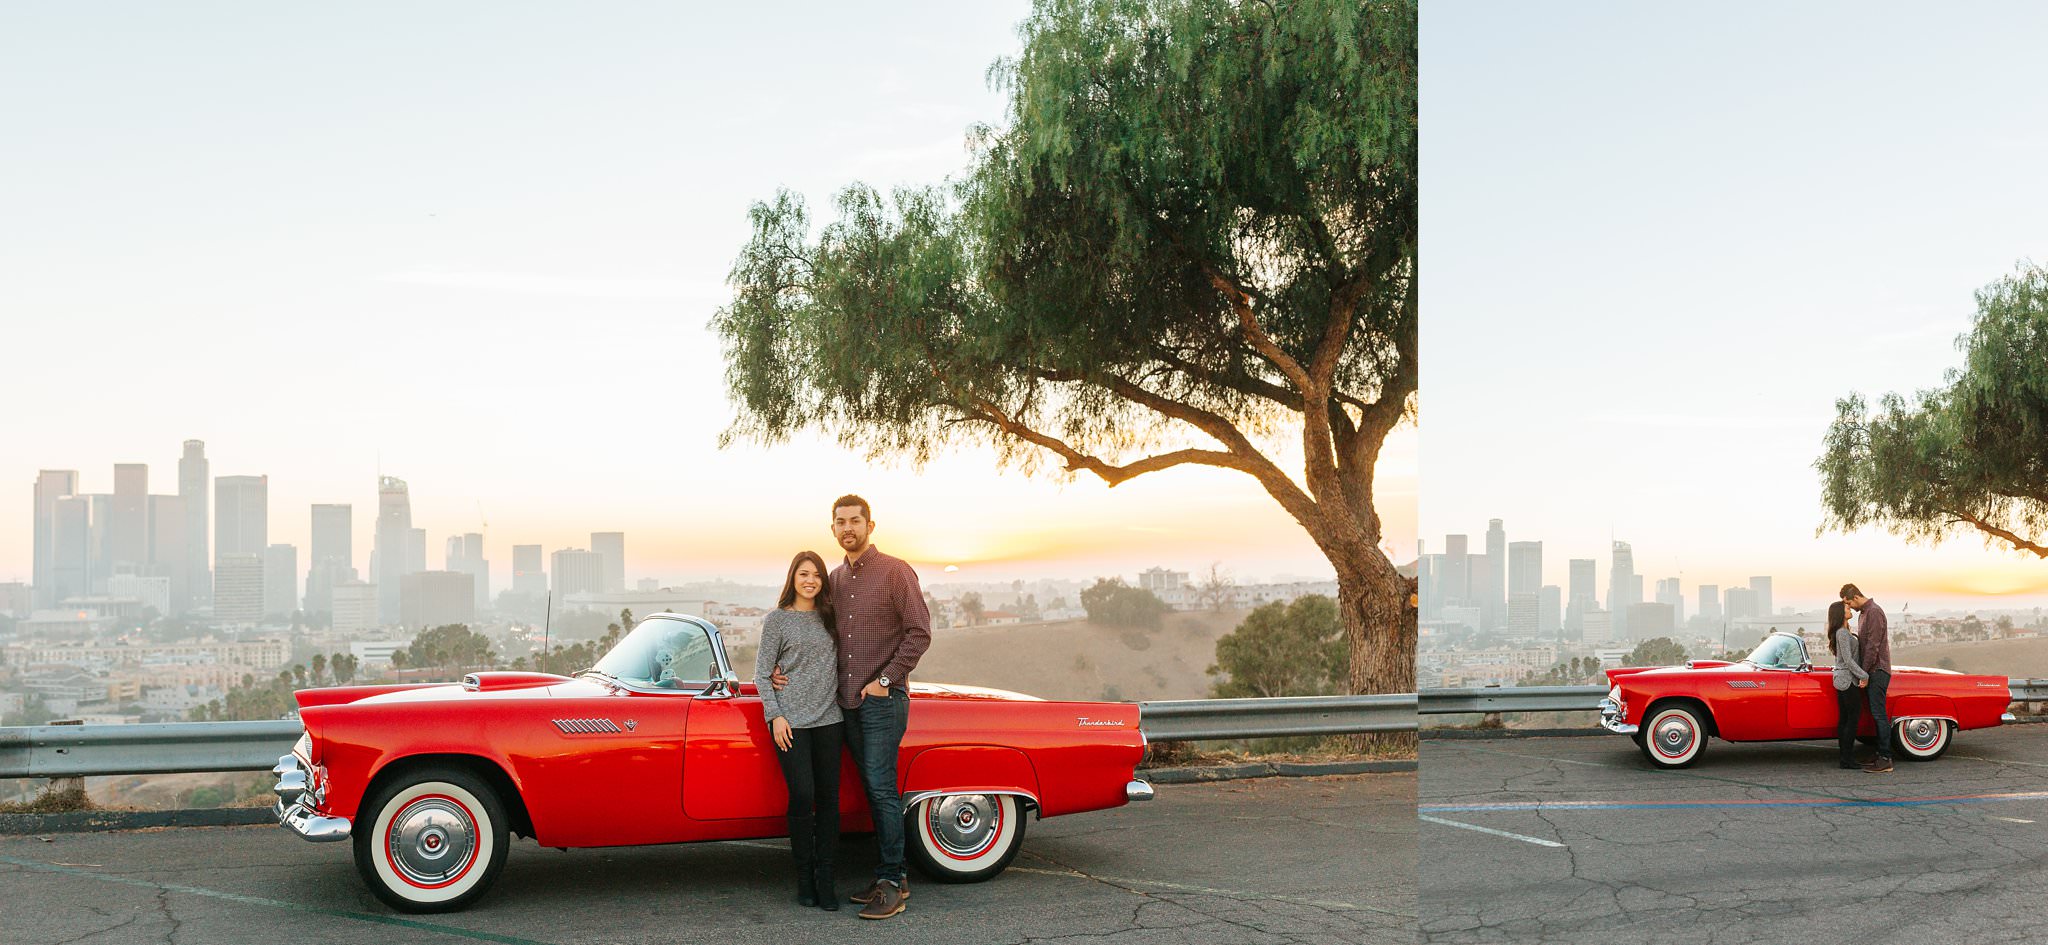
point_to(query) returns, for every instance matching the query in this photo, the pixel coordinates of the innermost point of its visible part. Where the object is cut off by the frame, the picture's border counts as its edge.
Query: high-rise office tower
(331, 557)
(238, 588)
(1624, 590)
(1479, 573)
(415, 551)
(168, 549)
(1737, 603)
(1457, 572)
(241, 515)
(280, 579)
(528, 574)
(52, 485)
(1429, 592)
(355, 606)
(1760, 591)
(194, 474)
(613, 546)
(130, 525)
(1582, 594)
(394, 533)
(1669, 592)
(1549, 612)
(465, 555)
(1496, 589)
(577, 571)
(71, 548)
(434, 598)
(1709, 596)
(100, 562)
(1525, 567)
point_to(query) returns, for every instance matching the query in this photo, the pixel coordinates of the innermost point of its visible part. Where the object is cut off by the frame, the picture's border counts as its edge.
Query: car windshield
(663, 651)
(1778, 651)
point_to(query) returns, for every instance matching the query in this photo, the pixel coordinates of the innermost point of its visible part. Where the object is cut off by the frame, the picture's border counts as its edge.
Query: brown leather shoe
(886, 901)
(867, 894)
(1879, 766)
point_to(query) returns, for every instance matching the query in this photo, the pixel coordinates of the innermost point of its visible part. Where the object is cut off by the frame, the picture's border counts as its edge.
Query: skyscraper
(1496, 589)
(1760, 592)
(1624, 590)
(331, 557)
(1709, 596)
(394, 533)
(51, 486)
(577, 571)
(433, 598)
(1582, 593)
(1480, 574)
(1670, 592)
(238, 588)
(71, 548)
(1549, 612)
(280, 579)
(193, 476)
(613, 546)
(130, 525)
(465, 555)
(168, 549)
(1456, 573)
(241, 515)
(528, 576)
(1525, 567)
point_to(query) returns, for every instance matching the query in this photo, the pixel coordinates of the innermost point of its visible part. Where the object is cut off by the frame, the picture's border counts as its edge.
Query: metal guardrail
(1214, 719)
(74, 751)
(1512, 699)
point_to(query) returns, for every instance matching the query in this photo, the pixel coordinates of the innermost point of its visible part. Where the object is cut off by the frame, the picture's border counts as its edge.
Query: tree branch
(1112, 474)
(1961, 518)
(1254, 335)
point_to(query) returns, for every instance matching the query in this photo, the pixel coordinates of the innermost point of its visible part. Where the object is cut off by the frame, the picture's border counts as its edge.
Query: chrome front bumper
(1138, 790)
(2008, 717)
(1610, 718)
(295, 802)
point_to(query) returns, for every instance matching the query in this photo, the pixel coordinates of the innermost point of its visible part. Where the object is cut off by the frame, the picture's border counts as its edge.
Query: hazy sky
(1660, 244)
(479, 243)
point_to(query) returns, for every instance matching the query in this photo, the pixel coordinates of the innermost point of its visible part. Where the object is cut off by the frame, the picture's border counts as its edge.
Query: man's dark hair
(850, 499)
(1849, 590)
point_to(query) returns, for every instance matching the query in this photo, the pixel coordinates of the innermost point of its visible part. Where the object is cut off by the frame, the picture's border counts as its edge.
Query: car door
(1810, 709)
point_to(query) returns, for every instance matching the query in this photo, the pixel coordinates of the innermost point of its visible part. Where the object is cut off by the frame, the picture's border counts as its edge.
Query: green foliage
(452, 647)
(1293, 648)
(1662, 651)
(1113, 603)
(1971, 455)
(971, 605)
(1578, 671)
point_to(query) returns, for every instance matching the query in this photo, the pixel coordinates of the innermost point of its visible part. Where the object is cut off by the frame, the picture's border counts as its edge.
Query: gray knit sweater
(797, 641)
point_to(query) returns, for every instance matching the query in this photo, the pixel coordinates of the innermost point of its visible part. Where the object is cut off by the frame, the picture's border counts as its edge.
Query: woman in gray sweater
(804, 718)
(1849, 680)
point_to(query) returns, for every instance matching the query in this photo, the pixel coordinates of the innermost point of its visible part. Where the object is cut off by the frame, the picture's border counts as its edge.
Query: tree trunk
(1377, 605)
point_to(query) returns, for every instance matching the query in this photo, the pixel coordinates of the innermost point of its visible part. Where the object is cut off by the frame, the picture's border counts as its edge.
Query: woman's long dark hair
(824, 600)
(1838, 617)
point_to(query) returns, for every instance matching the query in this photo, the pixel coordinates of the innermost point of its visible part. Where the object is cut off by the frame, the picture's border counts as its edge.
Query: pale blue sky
(483, 240)
(1661, 240)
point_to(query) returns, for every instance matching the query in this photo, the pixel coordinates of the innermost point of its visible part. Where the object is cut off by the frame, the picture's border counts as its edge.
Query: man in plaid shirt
(881, 627)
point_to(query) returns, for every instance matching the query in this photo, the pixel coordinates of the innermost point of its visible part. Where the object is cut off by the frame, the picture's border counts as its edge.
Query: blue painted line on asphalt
(273, 903)
(1685, 805)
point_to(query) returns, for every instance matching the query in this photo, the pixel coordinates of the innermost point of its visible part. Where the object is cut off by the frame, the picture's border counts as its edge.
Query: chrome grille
(585, 726)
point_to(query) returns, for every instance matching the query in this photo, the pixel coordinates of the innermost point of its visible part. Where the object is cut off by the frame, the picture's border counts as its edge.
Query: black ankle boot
(828, 897)
(807, 887)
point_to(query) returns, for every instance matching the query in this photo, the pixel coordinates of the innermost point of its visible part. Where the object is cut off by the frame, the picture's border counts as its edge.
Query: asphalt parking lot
(1277, 860)
(1578, 840)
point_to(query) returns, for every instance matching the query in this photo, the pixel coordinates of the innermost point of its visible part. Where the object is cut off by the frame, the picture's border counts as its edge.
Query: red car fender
(353, 745)
(972, 769)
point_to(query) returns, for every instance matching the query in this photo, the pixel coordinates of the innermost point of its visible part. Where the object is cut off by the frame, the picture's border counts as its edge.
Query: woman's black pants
(811, 769)
(1849, 708)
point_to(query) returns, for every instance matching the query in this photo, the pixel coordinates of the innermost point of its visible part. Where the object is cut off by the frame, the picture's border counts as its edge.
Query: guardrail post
(68, 785)
(1492, 719)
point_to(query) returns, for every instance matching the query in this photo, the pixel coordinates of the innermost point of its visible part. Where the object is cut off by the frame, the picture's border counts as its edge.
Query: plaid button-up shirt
(883, 624)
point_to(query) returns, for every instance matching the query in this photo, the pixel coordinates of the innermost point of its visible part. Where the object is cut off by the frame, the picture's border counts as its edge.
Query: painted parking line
(1489, 830)
(413, 924)
(1737, 802)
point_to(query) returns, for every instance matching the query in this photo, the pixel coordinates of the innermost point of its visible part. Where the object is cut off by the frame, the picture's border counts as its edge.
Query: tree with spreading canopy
(1968, 457)
(1193, 243)
(1662, 651)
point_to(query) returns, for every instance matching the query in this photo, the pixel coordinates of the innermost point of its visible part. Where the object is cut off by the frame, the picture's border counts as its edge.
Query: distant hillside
(2025, 657)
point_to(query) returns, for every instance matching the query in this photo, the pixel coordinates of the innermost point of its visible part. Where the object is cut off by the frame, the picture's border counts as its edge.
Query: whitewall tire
(964, 838)
(1922, 739)
(432, 840)
(1674, 736)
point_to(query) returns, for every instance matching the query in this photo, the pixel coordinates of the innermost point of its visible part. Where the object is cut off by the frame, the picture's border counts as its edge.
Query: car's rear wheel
(1922, 739)
(964, 838)
(431, 840)
(1674, 736)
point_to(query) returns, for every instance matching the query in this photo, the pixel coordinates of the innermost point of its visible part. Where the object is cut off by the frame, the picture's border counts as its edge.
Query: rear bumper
(296, 798)
(1138, 790)
(1610, 718)
(2008, 717)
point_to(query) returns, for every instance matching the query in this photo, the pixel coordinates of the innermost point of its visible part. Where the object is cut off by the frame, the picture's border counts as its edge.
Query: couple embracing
(1863, 675)
(834, 671)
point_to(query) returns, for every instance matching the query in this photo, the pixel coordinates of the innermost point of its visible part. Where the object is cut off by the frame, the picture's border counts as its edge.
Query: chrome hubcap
(431, 840)
(1921, 734)
(1673, 735)
(965, 824)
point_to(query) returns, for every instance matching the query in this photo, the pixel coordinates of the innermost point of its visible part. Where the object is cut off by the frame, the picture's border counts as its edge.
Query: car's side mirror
(720, 687)
(1805, 666)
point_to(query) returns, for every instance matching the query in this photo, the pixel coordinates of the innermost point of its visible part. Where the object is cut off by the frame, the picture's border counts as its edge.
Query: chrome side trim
(1138, 790)
(318, 828)
(586, 726)
(916, 797)
(1610, 719)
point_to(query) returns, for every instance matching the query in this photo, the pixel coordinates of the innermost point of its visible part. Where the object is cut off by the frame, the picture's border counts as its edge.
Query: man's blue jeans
(874, 733)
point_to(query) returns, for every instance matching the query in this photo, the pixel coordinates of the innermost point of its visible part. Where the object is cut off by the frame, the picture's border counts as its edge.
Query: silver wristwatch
(884, 680)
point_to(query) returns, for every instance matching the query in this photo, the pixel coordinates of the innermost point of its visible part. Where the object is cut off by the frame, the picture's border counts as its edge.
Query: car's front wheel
(1674, 736)
(964, 838)
(1922, 739)
(431, 840)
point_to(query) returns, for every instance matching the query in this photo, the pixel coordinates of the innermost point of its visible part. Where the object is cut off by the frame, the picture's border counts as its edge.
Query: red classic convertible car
(1777, 694)
(661, 743)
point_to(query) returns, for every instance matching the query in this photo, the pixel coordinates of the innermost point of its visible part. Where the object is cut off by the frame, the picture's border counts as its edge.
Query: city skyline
(489, 302)
(1639, 326)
